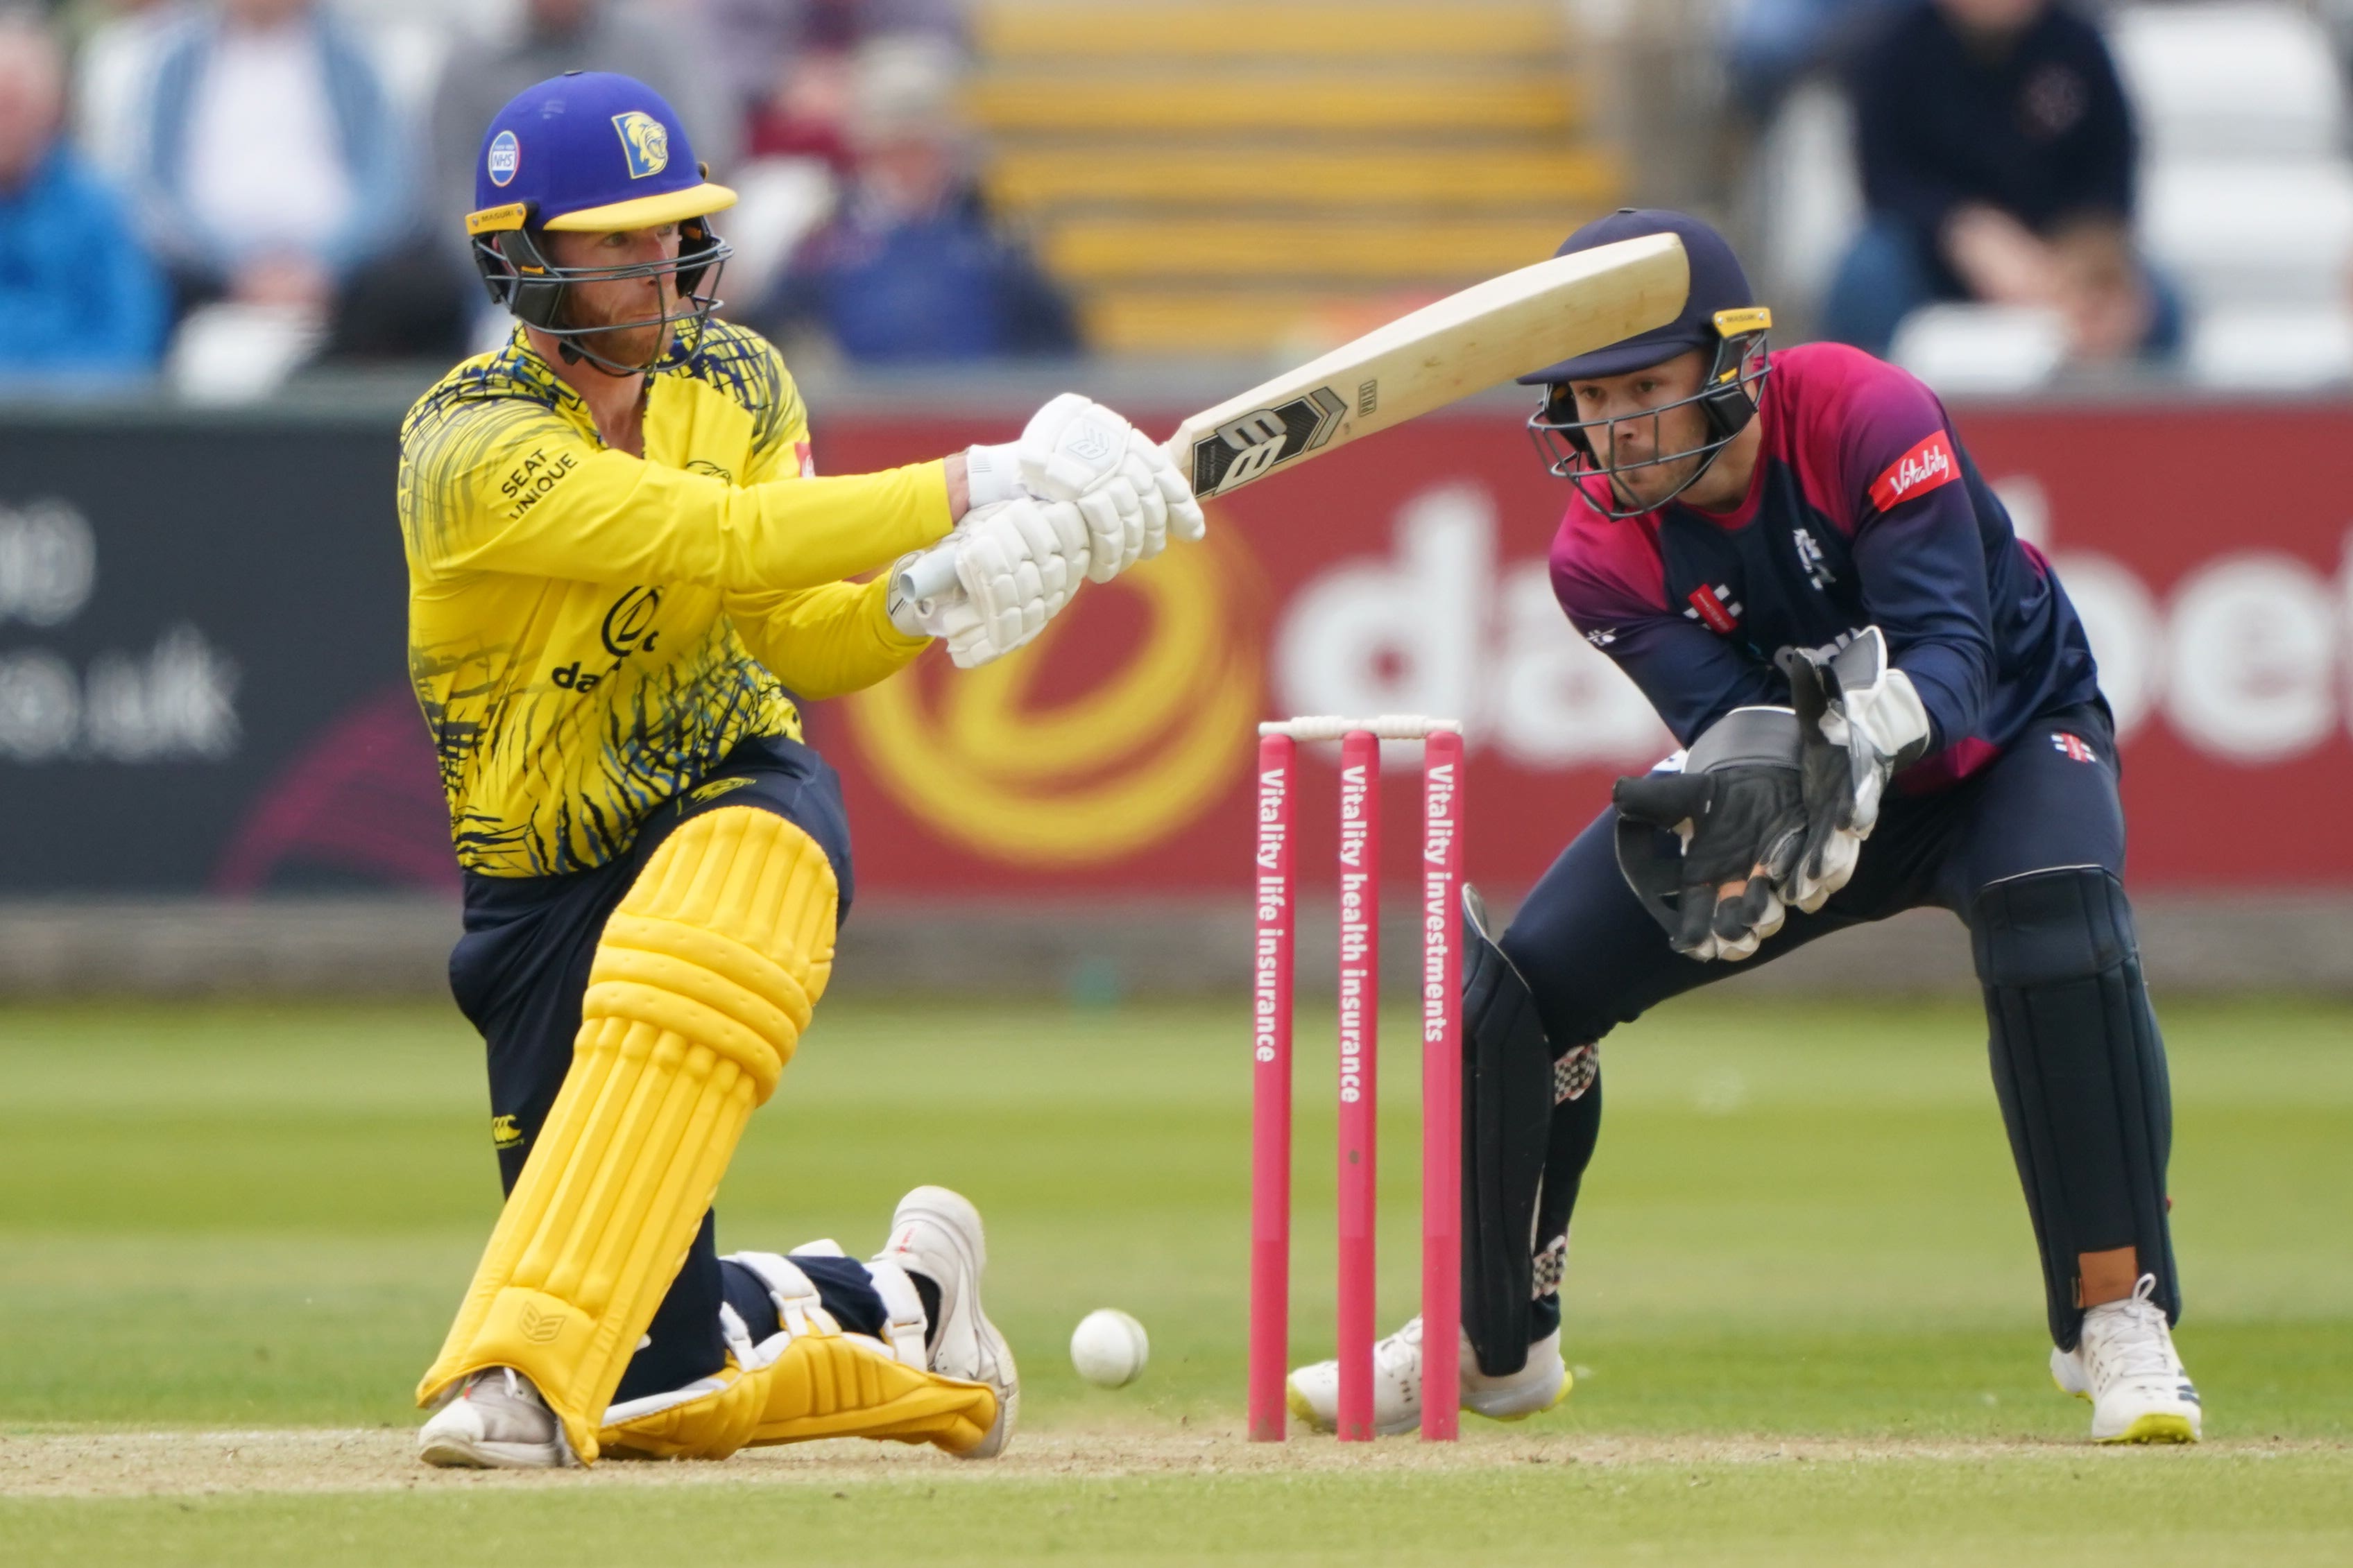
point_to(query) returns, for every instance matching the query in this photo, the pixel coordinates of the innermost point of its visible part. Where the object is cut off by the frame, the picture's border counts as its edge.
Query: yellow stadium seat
(1027, 178)
(1230, 30)
(1096, 249)
(1224, 177)
(1334, 105)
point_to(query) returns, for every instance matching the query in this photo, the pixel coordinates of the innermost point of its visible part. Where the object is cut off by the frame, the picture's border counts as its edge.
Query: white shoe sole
(453, 1451)
(2155, 1427)
(954, 1214)
(1295, 1399)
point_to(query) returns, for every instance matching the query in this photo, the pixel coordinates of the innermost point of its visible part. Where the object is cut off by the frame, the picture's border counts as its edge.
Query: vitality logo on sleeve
(1916, 472)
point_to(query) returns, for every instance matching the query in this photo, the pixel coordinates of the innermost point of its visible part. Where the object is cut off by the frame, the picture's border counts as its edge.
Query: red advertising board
(2207, 547)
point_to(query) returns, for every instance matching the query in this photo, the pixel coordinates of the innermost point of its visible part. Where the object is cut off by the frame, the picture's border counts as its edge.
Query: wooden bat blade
(1446, 350)
(1438, 354)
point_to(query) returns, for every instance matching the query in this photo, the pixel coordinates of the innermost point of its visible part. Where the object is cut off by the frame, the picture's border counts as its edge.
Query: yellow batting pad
(823, 1384)
(702, 986)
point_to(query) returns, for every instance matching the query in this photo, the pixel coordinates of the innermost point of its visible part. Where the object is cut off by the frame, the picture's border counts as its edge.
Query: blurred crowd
(2030, 185)
(222, 189)
(1996, 150)
(225, 188)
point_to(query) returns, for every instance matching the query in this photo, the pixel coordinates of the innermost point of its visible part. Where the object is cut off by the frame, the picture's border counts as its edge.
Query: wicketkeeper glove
(1861, 720)
(1739, 807)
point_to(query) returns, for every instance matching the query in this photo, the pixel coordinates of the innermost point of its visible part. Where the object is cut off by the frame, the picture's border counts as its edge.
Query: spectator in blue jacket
(277, 172)
(1997, 150)
(912, 268)
(78, 300)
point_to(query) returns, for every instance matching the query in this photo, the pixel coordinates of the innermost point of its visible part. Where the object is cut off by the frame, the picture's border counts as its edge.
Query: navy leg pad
(2080, 1070)
(1530, 1117)
(1506, 1113)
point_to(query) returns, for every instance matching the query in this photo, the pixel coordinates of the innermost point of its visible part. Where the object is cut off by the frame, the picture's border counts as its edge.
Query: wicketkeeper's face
(609, 301)
(1641, 425)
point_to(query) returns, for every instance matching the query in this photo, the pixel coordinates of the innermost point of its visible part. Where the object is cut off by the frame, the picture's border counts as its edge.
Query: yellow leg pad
(702, 985)
(823, 1385)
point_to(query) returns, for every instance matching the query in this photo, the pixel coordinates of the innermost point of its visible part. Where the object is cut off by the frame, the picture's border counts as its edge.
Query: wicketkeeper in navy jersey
(1886, 701)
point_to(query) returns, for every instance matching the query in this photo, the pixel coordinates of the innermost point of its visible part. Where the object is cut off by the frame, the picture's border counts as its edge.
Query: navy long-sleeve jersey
(1864, 511)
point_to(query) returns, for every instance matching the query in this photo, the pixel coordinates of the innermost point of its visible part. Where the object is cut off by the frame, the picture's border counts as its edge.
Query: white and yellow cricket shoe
(495, 1421)
(936, 1233)
(2124, 1363)
(1313, 1391)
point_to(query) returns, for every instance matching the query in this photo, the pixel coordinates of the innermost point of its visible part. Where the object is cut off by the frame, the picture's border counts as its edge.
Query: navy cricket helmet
(590, 152)
(1720, 317)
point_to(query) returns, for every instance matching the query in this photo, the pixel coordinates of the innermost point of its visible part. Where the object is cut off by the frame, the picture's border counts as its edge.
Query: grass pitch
(1803, 1302)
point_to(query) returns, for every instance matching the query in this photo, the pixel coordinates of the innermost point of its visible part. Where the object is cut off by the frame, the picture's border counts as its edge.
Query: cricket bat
(1443, 352)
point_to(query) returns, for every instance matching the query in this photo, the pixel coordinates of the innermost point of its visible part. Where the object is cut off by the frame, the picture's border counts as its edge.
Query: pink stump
(1442, 1085)
(1276, 889)
(1360, 989)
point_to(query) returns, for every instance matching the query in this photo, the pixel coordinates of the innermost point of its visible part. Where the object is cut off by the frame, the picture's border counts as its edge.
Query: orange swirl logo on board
(995, 762)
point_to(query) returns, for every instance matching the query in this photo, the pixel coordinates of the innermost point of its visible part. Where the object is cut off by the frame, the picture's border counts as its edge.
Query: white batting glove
(1077, 450)
(1119, 520)
(1139, 509)
(1068, 448)
(1184, 519)
(1018, 564)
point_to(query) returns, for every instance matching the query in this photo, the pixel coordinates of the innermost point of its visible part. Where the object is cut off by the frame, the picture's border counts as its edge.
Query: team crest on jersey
(1811, 561)
(645, 141)
(505, 158)
(1916, 472)
(2071, 747)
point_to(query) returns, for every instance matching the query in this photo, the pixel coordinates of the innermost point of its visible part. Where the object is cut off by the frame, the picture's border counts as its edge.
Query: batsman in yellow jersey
(623, 572)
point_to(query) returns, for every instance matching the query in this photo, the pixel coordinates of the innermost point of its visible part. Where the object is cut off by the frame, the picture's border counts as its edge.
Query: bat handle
(930, 574)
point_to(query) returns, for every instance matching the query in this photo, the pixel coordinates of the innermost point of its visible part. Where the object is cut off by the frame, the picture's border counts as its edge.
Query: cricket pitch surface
(1802, 1306)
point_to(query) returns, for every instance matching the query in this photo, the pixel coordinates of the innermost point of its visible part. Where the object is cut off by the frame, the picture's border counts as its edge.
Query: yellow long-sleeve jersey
(588, 632)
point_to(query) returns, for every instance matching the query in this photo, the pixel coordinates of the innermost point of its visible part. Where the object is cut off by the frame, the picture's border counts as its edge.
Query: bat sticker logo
(1242, 449)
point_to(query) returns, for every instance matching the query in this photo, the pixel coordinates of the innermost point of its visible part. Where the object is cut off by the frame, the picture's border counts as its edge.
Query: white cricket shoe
(2124, 1363)
(496, 1421)
(1313, 1391)
(936, 1233)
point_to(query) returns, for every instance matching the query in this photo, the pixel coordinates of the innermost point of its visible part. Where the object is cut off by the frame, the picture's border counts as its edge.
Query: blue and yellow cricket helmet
(587, 152)
(591, 152)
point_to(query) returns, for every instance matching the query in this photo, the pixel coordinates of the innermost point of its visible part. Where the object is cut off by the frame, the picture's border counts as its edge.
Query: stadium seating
(1217, 177)
(2247, 196)
(2246, 201)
